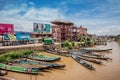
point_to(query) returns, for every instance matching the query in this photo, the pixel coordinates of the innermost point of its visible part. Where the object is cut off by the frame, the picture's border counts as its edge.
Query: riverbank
(38, 47)
(73, 71)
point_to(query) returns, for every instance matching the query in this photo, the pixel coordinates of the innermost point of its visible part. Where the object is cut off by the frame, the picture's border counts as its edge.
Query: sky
(101, 17)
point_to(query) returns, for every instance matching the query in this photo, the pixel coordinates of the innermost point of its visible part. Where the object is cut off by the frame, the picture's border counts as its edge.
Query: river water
(74, 71)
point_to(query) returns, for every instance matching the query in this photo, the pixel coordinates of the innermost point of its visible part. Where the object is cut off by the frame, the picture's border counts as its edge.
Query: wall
(21, 47)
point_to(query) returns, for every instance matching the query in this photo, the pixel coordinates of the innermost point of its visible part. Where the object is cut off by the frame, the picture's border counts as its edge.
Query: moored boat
(91, 60)
(57, 53)
(42, 57)
(79, 60)
(90, 53)
(19, 69)
(39, 63)
(95, 57)
(96, 49)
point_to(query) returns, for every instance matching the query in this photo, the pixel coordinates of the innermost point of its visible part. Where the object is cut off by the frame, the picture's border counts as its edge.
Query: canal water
(110, 70)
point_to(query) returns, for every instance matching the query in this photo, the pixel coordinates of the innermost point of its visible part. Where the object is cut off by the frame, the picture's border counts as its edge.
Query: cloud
(45, 14)
(31, 3)
(63, 3)
(110, 30)
(24, 17)
(100, 18)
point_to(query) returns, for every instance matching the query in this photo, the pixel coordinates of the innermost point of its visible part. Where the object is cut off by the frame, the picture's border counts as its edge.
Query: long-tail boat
(96, 49)
(79, 60)
(19, 69)
(39, 63)
(42, 57)
(90, 53)
(57, 53)
(95, 57)
(91, 60)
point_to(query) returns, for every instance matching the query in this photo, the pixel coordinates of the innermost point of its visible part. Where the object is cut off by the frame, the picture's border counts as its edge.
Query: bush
(66, 43)
(70, 47)
(13, 55)
(73, 44)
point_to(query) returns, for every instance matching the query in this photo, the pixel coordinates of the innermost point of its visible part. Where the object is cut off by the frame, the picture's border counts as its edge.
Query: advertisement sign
(9, 37)
(22, 36)
(6, 28)
(38, 27)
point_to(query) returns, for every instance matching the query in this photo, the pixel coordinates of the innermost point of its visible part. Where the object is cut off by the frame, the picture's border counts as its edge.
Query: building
(56, 33)
(74, 33)
(63, 30)
(78, 31)
(82, 30)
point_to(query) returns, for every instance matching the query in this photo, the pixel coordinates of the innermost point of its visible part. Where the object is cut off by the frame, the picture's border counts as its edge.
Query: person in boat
(58, 50)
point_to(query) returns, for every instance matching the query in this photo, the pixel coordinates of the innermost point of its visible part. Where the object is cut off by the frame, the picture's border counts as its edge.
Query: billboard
(38, 27)
(22, 35)
(9, 37)
(6, 28)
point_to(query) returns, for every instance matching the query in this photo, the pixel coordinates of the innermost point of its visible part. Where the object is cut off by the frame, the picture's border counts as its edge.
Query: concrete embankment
(20, 47)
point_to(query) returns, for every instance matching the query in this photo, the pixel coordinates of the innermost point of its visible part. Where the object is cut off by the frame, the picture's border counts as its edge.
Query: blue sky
(99, 16)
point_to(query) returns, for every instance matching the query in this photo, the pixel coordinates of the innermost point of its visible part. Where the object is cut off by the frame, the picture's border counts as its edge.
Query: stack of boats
(85, 56)
(61, 53)
(32, 64)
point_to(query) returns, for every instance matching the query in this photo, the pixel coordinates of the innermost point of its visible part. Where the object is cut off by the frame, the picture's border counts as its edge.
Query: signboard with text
(9, 37)
(38, 27)
(6, 28)
(22, 36)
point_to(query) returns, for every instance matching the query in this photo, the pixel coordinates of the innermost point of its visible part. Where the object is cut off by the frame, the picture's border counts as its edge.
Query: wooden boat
(38, 63)
(19, 69)
(91, 60)
(95, 57)
(79, 60)
(57, 53)
(38, 67)
(45, 58)
(90, 53)
(96, 49)
(5, 78)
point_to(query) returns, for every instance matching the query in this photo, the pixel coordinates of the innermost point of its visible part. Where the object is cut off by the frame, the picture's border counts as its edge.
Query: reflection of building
(66, 30)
